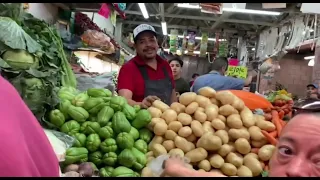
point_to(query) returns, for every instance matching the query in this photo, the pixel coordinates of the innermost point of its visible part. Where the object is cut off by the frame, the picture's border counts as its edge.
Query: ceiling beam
(130, 6)
(170, 9)
(185, 27)
(161, 8)
(206, 18)
(220, 20)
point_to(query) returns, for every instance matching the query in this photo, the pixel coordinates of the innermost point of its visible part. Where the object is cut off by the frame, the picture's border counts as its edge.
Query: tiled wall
(294, 74)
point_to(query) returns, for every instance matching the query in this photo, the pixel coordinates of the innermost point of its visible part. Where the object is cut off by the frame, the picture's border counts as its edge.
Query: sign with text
(237, 71)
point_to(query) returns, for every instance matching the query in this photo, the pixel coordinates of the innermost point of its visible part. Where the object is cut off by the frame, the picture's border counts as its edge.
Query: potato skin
(197, 155)
(185, 131)
(185, 119)
(191, 108)
(265, 152)
(244, 171)
(174, 126)
(242, 146)
(229, 169)
(187, 98)
(197, 128)
(200, 116)
(216, 161)
(234, 121)
(158, 150)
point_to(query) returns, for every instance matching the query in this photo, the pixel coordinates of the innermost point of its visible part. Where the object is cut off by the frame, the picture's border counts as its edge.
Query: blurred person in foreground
(312, 91)
(217, 80)
(176, 65)
(193, 78)
(146, 77)
(25, 148)
(297, 153)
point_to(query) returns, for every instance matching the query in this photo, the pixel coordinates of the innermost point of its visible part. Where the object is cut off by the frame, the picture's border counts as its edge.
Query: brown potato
(211, 113)
(255, 133)
(187, 98)
(266, 125)
(202, 101)
(247, 117)
(206, 126)
(192, 138)
(179, 108)
(215, 101)
(265, 152)
(222, 118)
(209, 142)
(185, 131)
(197, 155)
(223, 135)
(239, 133)
(207, 92)
(229, 169)
(197, 128)
(235, 158)
(155, 140)
(146, 172)
(250, 155)
(201, 109)
(160, 105)
(174, 126)
(234, 121)
(225, 97)
(227, 110)
(150, 154)
(158, 150)
(170, 135)
(218, 124)
(191, 108)
(168, 144)
(205, 165)
(258, 117)
(238, 104)
(176, 151)
(183, 144)
(216, 161)
(185, 119)
(254, 165)
(242, 146)
(169, 115)
(225, 150)
(160, 128)
(153, 122)
(259, 144)
(149, 159)
(244, 171)
(154, 112)
(200, 116)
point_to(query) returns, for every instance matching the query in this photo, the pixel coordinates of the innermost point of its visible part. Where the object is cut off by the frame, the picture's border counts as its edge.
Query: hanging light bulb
(311, 62)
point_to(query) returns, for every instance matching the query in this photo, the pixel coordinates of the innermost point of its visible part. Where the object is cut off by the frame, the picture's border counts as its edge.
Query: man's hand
(147, 101)
(172, 164)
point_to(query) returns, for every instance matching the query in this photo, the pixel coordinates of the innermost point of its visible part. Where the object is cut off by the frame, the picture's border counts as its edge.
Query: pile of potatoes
(214, 130)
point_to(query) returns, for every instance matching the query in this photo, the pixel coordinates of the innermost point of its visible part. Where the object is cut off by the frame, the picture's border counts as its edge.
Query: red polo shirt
(130, 77)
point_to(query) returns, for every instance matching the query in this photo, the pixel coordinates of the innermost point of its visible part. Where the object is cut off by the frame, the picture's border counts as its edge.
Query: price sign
(237, 71)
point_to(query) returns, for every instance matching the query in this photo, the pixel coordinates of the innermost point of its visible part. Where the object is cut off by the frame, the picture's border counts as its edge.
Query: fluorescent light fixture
(187, 5)
(308, 57)
(311, 62)
(253, 49)
(143, 9)
(199, 38)
(251, 11)
(247, 11)
(164, 28)
(194, 52)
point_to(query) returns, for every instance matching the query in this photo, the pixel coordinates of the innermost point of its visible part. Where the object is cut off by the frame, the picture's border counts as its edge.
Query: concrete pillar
(118, 32)
(316, 67)
(239, 45)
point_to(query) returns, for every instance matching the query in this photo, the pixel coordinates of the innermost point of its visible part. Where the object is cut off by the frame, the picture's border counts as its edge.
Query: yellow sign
(113, 18)
(237, 71)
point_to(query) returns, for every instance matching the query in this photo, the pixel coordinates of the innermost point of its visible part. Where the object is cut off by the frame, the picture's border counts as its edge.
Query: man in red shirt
(147, 76)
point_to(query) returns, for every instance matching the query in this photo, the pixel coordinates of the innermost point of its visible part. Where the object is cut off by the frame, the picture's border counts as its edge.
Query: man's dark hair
(178, 59)
(219, 63)
(194, 75)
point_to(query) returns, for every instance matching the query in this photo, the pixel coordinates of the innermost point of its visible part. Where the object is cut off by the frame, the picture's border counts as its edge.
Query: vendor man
(147, 76)
(216, 79)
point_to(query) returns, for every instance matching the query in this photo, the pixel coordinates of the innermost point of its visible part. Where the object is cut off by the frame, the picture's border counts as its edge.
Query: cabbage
(20, 59)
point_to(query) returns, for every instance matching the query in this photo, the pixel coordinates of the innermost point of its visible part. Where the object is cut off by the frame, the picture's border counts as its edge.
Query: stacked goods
(282, 102)
(108, 132)
(214, 130)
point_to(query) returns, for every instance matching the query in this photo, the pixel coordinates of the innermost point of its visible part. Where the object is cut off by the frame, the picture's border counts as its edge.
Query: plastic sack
(102, 81)
(156, 164)
(60, 142)
(96, 39)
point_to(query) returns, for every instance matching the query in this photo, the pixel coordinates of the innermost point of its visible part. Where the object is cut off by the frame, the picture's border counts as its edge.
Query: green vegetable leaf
(15, 37)
(37, 73)
(3, 64)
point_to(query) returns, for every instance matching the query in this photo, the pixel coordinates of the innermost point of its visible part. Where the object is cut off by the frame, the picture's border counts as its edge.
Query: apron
(161, 88)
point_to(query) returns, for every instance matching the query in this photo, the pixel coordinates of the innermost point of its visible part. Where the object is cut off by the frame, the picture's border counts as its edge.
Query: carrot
(285, 106)
(281, 114)
(255, 150)
(266, 168)
(269, 138)
(276, 121)
(273, 134)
